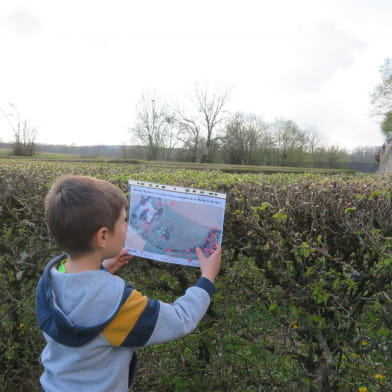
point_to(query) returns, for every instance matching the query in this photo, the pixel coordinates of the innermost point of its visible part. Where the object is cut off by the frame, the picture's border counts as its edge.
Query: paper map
(167, 223)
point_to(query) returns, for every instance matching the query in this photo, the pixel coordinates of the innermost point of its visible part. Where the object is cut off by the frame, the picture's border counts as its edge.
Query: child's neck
(86, 262)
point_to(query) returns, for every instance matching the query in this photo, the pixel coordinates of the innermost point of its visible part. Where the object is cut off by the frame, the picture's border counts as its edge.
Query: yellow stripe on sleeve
(128, 315)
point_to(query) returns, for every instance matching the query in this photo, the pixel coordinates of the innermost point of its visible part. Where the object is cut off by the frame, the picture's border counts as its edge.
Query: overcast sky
(76, 69)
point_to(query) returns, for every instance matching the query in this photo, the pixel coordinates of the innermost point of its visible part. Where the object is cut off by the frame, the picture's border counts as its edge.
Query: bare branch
(155, 127)
(24, 135)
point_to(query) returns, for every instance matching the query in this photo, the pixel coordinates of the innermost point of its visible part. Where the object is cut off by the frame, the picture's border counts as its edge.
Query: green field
(304, 295)
(39, 156)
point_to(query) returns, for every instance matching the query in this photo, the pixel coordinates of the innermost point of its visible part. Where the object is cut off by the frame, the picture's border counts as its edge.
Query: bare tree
(155, 127)
(241, 141)
(190, 135)
(25, 136)
(313, 138)
(290, 141)
(171, 135)
(210, 106)
(200, 127)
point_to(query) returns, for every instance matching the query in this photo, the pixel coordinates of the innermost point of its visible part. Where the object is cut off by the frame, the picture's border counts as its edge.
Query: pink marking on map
(159, 204)
(190, 260)
(164, 237)
(172, 204)
(187, 250)
(169, 250)
(208, 239)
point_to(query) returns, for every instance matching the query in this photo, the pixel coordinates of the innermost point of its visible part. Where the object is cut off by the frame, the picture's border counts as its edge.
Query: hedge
(304, 295)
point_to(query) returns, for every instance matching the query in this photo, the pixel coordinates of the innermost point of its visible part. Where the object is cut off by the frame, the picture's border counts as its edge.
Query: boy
(92, 320)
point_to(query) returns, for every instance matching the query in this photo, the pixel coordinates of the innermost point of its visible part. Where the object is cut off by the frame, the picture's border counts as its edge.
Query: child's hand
(210, 266)
(114, 264)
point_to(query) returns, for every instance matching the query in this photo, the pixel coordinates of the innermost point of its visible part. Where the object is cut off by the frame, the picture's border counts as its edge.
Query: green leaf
(265, 205)
(280, 216)
(383, 332)
(272, 307)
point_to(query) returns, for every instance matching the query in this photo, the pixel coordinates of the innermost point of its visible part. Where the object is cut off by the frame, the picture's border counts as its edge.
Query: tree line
(206, 132)
(361, 159)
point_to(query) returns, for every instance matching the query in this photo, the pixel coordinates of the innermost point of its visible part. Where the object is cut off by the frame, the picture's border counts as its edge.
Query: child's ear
(100, 237)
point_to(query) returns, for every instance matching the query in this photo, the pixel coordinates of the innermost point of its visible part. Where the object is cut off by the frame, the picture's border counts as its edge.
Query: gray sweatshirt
(93, 321)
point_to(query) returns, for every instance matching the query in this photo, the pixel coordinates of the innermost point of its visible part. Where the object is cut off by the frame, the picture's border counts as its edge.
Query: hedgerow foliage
(304, 296)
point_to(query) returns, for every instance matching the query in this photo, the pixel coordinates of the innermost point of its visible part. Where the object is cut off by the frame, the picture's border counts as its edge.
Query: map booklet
(167, 223)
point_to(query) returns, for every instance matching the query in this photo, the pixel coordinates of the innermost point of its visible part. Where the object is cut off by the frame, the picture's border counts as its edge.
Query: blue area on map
(168, 233)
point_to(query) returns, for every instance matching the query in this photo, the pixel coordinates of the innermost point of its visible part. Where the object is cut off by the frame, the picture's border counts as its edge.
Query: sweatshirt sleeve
(141, 321)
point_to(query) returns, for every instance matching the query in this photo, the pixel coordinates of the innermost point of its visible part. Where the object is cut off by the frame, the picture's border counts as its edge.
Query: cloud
(22, 22)
(324, 50)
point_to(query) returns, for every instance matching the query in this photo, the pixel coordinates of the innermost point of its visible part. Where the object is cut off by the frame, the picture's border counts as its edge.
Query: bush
(323, 251)
(304, 296)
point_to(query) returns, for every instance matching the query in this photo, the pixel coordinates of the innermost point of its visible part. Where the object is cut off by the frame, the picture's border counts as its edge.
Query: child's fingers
(215, 254)
(125, 256)
(124, 252)
(199, 253)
